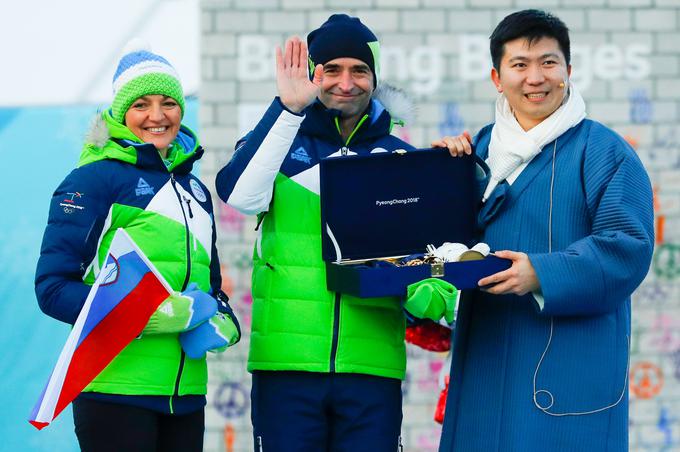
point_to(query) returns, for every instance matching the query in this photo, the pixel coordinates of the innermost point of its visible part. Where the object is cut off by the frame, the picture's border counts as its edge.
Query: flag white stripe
(146, 67)
(120, 245)
(49, 403)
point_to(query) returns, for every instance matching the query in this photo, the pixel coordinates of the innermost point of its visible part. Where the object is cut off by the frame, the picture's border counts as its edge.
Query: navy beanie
(342, 36)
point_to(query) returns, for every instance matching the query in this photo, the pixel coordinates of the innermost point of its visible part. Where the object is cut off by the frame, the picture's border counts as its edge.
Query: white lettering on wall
(422, 66)
(421, 70)
(255, 58)
(475, 63)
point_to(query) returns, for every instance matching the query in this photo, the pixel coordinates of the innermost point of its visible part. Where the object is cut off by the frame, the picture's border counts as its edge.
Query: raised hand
(295, 89)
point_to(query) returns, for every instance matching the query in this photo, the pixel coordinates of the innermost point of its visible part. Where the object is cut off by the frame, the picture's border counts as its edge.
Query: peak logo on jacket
(301, 155)
(143, 188)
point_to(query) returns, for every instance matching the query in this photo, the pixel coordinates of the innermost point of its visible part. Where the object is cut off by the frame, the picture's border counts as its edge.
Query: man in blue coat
(541, 352)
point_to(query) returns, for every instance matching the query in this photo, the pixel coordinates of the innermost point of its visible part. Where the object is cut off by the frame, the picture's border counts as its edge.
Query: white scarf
(512, 147)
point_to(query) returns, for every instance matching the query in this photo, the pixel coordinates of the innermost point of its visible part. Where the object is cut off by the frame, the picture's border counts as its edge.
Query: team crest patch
(197, 190)
(110, 271)
(301, 155)
(143, 188)
(70, 202)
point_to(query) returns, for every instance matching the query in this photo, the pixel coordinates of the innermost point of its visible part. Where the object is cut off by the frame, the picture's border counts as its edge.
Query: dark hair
(532, 24)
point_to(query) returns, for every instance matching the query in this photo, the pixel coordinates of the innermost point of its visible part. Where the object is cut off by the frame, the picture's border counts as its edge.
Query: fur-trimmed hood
(397, 102)
(98, 133)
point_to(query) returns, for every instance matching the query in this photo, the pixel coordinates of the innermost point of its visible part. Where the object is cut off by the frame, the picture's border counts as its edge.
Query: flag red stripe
(124, 323)
(39, 425)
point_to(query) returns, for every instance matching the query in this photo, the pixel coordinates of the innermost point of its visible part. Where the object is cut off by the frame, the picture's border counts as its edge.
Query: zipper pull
(344, 150)
(191, 217)
(188, 201)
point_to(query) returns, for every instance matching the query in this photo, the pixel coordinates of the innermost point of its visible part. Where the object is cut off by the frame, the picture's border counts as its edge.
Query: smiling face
(530, 75)
(347, 85)
(155, 119)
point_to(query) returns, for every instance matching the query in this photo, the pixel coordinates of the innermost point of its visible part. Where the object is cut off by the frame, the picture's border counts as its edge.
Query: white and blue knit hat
(141, 72)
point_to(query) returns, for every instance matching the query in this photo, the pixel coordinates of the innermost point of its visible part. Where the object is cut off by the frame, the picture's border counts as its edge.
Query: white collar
(511, 146)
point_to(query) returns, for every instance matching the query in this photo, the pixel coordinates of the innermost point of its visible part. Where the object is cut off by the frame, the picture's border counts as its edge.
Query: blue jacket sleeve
(216, 280)
(247, 181)
(595, 274)
(215, 270)
(77, 215)
(482, 170)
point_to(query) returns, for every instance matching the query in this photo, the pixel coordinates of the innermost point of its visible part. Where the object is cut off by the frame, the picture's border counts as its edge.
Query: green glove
(181, 312)
(431, 299)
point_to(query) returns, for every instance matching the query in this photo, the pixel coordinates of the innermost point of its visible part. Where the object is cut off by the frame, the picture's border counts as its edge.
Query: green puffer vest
(298, 325)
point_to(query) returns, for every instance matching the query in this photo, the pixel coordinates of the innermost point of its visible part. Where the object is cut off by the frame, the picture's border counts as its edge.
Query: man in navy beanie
(327, 367)
(342, 36)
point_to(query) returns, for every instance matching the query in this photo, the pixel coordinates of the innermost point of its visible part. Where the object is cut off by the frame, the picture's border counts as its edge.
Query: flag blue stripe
(131, 269)
(38, 405)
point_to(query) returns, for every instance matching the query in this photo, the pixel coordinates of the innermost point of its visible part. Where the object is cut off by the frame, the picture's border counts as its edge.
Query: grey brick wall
(626, 62)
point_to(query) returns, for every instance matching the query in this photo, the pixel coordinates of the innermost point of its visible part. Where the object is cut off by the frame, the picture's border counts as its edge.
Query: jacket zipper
(344, 150)
(186, 226)
(336, 330)
(356, 127)
(191, 217)
(186, 279)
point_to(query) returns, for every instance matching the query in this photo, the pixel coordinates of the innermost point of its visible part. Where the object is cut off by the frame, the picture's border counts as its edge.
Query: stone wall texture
(626, 59)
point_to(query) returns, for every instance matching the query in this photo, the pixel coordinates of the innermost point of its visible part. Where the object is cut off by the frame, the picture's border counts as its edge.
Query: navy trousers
(317, 412)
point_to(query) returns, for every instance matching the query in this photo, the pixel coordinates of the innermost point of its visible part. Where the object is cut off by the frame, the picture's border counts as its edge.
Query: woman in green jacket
(134, 173)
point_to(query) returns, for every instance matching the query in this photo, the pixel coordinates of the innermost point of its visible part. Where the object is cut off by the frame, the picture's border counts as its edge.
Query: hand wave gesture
(295, 89)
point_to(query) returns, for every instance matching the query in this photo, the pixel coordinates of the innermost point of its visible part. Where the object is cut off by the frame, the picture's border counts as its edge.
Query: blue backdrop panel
(38, 147)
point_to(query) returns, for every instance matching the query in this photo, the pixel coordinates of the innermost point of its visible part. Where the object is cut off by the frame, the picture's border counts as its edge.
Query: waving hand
(295, 88)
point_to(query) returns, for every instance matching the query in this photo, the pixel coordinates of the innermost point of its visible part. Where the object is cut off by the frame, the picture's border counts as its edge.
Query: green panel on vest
(293, 311)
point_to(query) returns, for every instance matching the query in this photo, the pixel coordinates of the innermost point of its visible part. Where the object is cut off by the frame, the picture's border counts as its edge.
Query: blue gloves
(431, 299)
(181, 312)
(204, 323)
(216, 334)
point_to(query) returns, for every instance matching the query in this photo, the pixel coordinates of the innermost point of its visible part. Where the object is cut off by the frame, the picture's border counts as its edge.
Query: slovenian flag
(126, 292)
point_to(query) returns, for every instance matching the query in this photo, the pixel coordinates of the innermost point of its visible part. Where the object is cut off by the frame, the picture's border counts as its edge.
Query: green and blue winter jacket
(297, 324)
(121, 182)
